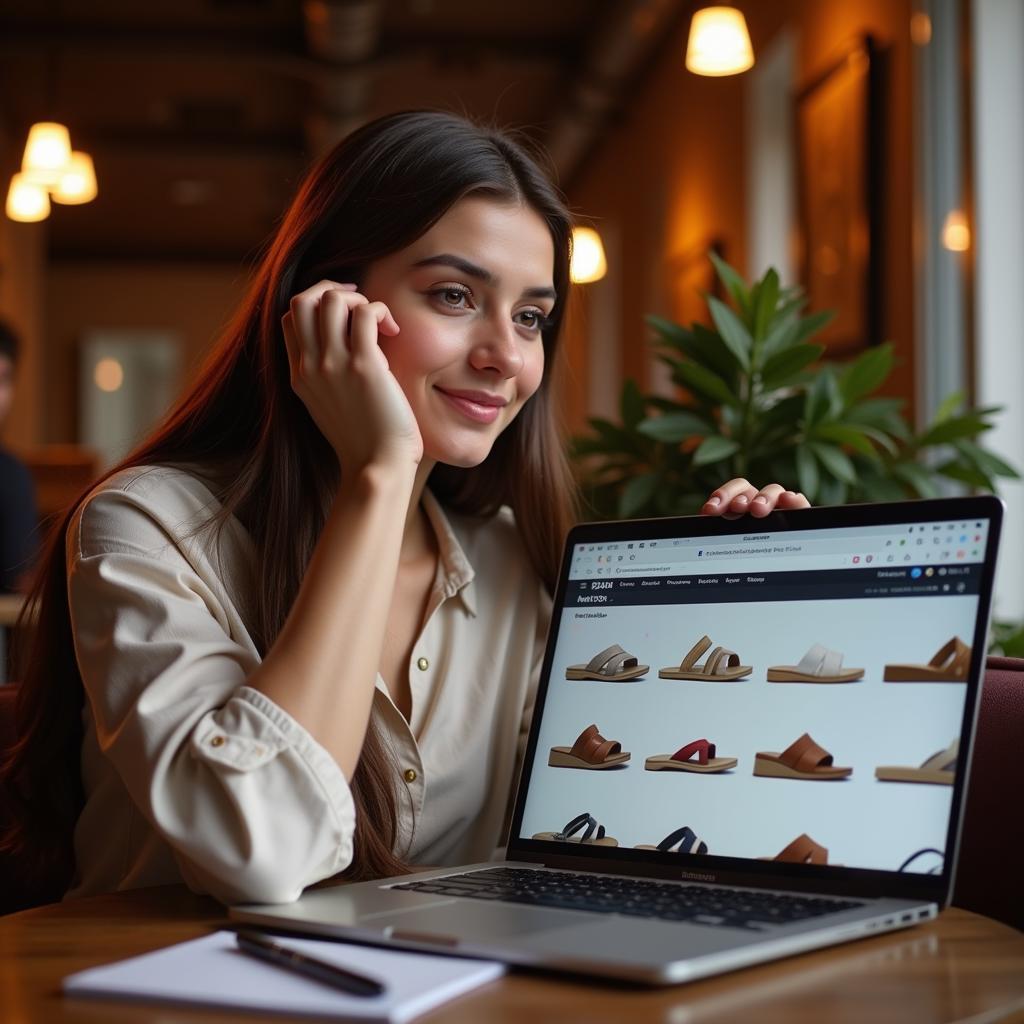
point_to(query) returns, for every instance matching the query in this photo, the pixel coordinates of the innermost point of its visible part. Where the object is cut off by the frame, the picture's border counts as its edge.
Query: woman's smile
(479, 406)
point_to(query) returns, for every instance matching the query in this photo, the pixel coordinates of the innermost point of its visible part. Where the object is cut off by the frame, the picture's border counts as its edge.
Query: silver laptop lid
(803, 686)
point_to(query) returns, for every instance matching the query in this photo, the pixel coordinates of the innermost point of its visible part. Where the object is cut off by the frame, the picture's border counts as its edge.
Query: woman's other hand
(338, 370)
(739, 497)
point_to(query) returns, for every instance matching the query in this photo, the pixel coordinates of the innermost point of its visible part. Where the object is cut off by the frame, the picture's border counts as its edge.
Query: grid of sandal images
(791, 697)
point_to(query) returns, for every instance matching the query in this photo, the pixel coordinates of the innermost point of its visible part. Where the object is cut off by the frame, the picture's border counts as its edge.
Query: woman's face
(471, 297)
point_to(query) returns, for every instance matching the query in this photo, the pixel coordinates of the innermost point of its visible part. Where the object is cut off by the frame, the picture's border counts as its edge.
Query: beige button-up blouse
(191, 775)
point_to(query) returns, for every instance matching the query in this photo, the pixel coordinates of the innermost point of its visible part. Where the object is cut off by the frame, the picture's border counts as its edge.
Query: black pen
(319, 970)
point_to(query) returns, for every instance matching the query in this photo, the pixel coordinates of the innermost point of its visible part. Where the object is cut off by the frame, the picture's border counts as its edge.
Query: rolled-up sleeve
(252, 806)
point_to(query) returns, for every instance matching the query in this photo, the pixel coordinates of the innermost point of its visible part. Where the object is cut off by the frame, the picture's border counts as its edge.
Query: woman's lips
(477, 410)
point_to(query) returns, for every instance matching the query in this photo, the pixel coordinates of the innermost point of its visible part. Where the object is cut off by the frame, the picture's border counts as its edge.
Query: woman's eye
(453, 298)
(532, 319)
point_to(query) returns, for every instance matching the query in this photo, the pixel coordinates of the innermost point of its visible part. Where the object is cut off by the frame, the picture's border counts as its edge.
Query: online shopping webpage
(779, 696)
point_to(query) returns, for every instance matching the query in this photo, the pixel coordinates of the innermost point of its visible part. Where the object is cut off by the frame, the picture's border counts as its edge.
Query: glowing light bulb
(956, 234)
(588, 259)
(719, 43)
(27, 201)
(108, 375)
(47, 152)
(78, 182)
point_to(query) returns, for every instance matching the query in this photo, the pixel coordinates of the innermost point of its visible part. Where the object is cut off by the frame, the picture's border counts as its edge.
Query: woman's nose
(496, 347)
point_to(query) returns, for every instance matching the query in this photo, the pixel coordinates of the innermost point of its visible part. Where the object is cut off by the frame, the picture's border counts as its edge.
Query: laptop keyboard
(698, 904)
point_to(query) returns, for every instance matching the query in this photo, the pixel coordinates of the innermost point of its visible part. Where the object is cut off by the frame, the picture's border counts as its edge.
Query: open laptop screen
(779, 691)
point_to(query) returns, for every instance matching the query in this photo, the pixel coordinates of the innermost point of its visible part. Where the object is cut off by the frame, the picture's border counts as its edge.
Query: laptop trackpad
(457, 921)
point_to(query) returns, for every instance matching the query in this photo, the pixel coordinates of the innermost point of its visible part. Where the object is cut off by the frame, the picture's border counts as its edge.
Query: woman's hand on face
(739, 497)
(338, 370)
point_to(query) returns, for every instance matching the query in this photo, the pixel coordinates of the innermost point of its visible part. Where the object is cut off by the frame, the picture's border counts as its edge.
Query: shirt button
(410, 774)
(217, 741)
(422, 664)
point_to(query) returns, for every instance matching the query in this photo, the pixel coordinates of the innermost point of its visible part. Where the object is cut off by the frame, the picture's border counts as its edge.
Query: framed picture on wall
(839, 139)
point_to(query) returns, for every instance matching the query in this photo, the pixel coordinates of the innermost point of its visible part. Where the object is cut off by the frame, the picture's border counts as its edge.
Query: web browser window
(788, 695)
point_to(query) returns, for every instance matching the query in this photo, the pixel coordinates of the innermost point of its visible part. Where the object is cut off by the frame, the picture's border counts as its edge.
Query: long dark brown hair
(375, 193)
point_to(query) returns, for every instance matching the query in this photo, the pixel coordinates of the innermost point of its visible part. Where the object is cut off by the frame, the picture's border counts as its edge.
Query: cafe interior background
(872, 152)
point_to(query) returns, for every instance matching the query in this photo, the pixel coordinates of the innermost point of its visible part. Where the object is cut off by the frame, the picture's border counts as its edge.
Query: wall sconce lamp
(956, 233)
(588, 259)
(719, 43)
(49, 170)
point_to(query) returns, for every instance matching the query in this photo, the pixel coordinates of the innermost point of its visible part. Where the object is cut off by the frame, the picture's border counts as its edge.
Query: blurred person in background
(18, 517)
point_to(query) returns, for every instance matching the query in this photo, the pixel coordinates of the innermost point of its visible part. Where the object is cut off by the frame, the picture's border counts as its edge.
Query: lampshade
(719, 42)
(27, 201)
(588, 261)
(47, 152)
(78, 182)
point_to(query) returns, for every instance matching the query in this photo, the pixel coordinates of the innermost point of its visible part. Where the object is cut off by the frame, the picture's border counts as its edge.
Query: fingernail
(740, 499)
(760, 500)
(713, 501)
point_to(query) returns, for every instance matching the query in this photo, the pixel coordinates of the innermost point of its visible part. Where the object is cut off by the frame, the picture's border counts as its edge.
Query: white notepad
(211, 971)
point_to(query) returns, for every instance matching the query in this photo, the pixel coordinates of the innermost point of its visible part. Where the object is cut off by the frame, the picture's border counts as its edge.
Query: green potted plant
(757, 400)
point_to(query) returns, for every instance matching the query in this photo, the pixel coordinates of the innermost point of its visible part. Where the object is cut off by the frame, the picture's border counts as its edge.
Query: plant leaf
(714, 449)
(711, 352)
(822, 398)
(637, 493)
(707, 383)
(674, 427)
(734, 283)
(632, 405)
(866, 373)
(785, 364)
(809, 325)
(918, 477)
(832, 492)
(965, 474)
(881, 413)
(948, 406)
(875, 487)
(836, 461)
(988, 461)
(767, 300)
(732, 331)
(954, 428)
(853, 437)
(807, 472)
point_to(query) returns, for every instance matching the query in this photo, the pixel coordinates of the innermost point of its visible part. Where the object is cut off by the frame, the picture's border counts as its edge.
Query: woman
(308, 613)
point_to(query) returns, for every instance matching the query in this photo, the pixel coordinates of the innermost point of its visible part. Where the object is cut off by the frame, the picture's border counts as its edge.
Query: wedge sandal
(683, 840)
(613, 664)
(698, 756)
(802, 759)
(950, 664)
(591, 750)
(939, 769)
(818, 665)
(593, 832)
(803, 850)
(720, 666)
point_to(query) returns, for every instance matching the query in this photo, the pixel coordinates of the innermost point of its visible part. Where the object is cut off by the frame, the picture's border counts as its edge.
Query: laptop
(751, 739)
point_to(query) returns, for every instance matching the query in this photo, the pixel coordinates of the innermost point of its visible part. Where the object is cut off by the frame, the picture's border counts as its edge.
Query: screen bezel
(743, 871)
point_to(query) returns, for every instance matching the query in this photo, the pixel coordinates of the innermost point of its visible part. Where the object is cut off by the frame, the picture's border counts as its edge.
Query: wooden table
(961, 968)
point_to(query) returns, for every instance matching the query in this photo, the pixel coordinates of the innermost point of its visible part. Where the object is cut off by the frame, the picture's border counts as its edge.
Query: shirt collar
(457, 573)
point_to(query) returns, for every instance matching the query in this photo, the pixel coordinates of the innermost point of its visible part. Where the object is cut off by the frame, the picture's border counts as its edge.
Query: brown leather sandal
(803, 850)
(949, 665)
(591, 750)
(802, 759)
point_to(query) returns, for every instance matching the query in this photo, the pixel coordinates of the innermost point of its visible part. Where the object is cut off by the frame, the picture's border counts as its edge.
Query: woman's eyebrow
(447, 259)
